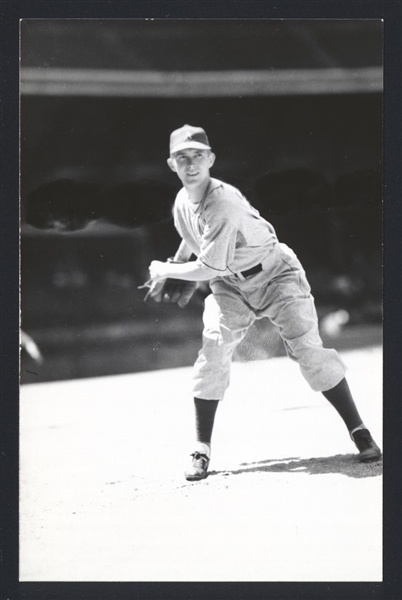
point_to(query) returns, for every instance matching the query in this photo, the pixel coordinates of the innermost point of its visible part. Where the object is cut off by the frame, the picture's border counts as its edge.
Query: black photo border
(390, 11)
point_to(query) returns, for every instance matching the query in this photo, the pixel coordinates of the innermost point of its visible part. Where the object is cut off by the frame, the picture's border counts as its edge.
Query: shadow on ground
(342, 464)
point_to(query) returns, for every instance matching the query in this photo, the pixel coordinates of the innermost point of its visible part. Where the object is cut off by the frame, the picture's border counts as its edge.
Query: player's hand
(165, 289)
(158, 270)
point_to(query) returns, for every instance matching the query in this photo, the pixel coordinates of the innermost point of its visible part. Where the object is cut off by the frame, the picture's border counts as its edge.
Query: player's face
(192, 165)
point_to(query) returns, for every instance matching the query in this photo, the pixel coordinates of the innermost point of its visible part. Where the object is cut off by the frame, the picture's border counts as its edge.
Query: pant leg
(293, 312)
(226, 320)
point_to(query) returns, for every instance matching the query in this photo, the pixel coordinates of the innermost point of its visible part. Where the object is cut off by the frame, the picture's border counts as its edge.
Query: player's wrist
(174, 260)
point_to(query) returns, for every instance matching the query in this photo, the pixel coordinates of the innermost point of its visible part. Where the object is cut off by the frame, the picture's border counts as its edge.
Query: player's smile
(191, 172)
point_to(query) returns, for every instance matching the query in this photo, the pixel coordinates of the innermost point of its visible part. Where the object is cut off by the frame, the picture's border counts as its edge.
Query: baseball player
(251, 275)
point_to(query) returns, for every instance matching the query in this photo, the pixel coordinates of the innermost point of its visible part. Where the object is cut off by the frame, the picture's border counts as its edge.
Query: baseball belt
(252, 271)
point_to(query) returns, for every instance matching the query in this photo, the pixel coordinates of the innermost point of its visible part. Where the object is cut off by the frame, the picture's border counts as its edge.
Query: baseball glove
(170, 290)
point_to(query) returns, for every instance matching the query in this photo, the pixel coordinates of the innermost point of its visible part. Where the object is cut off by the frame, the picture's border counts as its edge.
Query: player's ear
(172, 164)
(212, 158)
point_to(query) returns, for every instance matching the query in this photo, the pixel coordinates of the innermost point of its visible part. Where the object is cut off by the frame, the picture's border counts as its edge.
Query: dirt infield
(103, 497)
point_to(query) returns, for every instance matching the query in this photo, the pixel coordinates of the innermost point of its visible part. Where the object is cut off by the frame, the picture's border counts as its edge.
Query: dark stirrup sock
(204, 418)
(341, 399)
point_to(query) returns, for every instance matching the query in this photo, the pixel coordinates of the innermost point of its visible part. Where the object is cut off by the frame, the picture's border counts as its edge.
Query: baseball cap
(188, 137)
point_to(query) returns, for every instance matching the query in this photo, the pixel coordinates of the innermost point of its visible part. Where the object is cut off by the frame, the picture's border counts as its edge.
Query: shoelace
(199, 460)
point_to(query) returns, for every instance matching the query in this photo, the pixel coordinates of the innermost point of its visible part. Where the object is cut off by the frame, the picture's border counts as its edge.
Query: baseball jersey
(224, 231)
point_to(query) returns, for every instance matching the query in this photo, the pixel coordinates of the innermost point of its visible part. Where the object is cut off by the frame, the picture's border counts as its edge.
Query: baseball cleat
(199, 467)
(369, 451)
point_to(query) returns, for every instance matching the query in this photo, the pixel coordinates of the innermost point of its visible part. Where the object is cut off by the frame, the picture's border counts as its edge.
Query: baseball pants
(233, 307)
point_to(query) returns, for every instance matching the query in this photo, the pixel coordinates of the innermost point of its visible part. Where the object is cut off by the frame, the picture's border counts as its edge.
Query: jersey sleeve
(176, 218)
(219, 239)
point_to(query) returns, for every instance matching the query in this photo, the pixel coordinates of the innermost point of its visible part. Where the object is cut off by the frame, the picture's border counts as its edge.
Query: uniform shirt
(223, 230)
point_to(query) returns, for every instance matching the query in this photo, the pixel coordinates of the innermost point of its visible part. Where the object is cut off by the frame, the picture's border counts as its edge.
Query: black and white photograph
(201, 271)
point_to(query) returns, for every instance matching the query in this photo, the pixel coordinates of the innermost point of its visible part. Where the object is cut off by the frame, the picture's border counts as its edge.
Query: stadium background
(293, 110)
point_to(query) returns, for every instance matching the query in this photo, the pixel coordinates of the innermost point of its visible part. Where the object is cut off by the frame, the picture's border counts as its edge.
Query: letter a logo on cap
(188, 137)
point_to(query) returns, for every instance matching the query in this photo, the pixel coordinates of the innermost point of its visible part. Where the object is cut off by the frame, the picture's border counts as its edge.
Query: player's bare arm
(183, 253)
(189, 271)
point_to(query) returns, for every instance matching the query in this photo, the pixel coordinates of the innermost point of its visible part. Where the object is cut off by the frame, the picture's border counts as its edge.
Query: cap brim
(185, 145)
